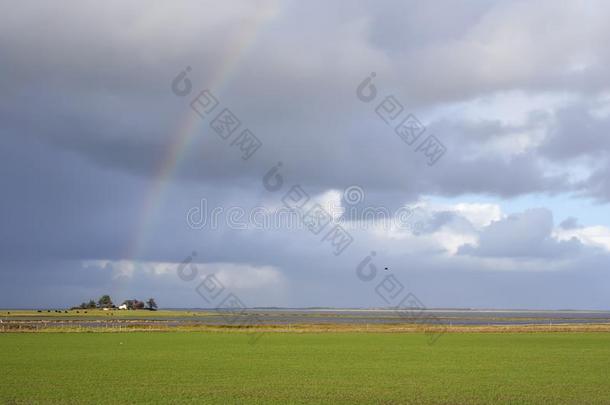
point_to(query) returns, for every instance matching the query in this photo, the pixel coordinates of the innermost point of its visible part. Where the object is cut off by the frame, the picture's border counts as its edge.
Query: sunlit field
(282, 368)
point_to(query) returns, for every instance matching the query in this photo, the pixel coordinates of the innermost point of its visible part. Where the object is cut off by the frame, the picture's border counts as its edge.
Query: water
(337, 316)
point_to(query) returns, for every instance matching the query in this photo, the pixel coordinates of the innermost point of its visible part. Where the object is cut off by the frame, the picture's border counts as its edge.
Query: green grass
(305, 368)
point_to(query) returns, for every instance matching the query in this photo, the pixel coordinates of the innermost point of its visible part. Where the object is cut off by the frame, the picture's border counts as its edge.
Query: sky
(147, 148)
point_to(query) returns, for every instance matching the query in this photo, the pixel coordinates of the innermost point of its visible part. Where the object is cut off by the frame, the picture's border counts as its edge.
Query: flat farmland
(206, 367)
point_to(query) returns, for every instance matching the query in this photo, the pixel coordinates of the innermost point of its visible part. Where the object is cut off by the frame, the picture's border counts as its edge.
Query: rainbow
(190, 126)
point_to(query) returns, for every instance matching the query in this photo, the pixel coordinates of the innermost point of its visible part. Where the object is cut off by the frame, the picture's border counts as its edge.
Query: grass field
(469, 368)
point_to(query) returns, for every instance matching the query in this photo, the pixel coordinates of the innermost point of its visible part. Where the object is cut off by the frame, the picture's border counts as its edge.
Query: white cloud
(330, 200)
(129, 268)
(598, 235)
(448, 236)
(478, 214)
(240, 276)
(451, 240)
(231, 275)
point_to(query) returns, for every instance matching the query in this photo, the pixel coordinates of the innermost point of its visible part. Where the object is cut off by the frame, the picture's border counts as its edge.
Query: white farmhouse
(123, 306)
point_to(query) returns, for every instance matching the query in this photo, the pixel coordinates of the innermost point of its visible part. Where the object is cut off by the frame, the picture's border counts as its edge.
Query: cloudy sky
(114, 170)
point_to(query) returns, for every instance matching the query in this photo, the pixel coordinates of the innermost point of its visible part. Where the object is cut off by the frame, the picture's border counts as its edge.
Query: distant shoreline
(331, 309)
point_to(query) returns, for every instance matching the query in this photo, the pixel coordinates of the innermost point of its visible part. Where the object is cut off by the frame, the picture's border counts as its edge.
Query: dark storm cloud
(87, 118)
(105, 92)
(577, 132)
(598, 184)
(55, 205)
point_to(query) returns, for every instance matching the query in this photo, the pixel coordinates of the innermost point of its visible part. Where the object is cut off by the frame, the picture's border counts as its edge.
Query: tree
(91, 304)
(152, 305)
(128, 303)
(134, 304)
(105, 302)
